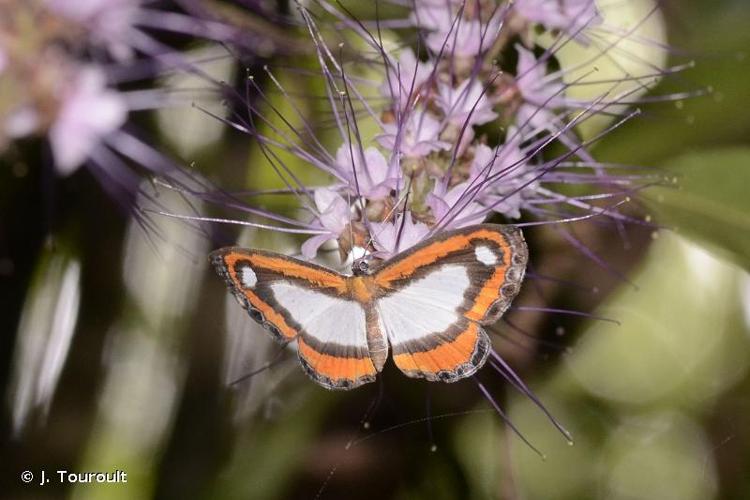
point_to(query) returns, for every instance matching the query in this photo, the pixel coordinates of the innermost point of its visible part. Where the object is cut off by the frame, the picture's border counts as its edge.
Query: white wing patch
(485, 255)
(425, 306)
(248, 277)
(326, 318)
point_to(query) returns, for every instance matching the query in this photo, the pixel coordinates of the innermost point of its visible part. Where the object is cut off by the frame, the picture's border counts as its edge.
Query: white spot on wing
(425, 306)
(485, 255)
(327, 318)
(248, 277)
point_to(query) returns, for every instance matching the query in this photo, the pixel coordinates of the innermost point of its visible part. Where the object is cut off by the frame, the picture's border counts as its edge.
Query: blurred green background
(658, 403)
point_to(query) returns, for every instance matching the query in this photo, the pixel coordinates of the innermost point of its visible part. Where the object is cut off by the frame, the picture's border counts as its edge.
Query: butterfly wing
(434, 298)
(296, 300)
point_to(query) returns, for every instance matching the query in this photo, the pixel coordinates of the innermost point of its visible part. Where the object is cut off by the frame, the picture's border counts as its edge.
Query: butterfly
(426, 304)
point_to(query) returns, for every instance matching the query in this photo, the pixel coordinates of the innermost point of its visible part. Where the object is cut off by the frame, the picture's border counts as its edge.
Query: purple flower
(88, 112)
(368, 171)
(458, 36)
(391, 238)
(405, 78)
(539, 93)
(21, 121)
(504, 161)
(570, 16)
(457, 206)
(451, 177)
(108, 22)
(465, 104)
(506, 173)
(446, 4)
(333, 216)
(417, 137)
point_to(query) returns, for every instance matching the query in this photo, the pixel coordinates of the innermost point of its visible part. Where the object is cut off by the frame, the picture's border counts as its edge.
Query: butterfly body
(425, 305)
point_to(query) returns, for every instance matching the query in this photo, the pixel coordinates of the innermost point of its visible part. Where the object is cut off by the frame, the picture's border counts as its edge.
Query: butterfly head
(361, 267)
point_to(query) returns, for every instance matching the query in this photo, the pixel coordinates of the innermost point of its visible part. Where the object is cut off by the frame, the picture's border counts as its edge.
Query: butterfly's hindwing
(333, 344)
(447, 356)
(424, 321)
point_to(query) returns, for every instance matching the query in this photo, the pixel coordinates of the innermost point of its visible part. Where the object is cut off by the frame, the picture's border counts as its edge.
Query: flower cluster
(50, 84)
(466, 118)
(64, 70)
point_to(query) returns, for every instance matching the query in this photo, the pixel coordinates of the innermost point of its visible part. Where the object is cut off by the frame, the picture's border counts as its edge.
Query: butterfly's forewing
(314, 305)
(434, 297)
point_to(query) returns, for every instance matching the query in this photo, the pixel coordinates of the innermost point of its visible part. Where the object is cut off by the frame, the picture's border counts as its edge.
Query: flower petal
(387, 239)
(311, 245)
(89, 111)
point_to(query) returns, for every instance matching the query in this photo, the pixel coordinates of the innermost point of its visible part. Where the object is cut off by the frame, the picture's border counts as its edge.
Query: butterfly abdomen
(377, 342)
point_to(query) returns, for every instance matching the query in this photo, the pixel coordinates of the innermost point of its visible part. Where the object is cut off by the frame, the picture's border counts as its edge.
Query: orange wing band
(488, 295)
(289, 268)
(336, 372)
(434, 252)
(447, 357)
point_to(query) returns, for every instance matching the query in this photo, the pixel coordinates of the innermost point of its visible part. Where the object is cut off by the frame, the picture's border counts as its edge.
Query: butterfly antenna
(351, 228)
(360, 200)
(344, 99)
(403, 222)
(402, 200)
(352, 130)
